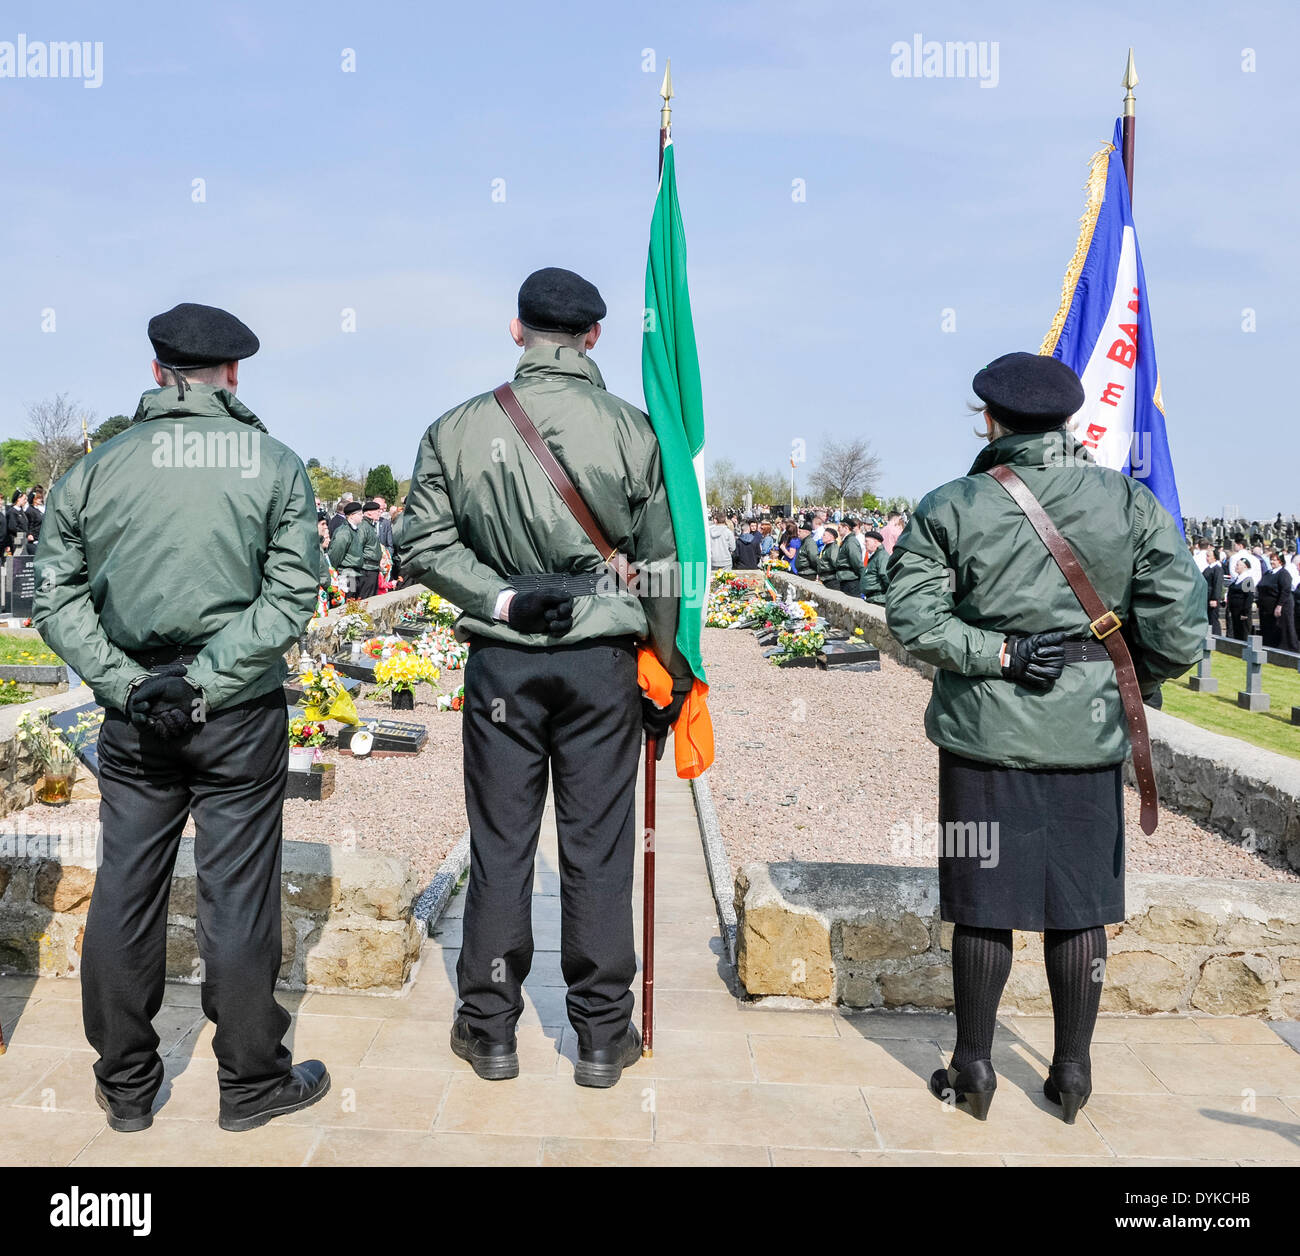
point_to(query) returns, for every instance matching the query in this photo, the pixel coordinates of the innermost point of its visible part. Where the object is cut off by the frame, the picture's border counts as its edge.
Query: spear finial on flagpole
(666, 113)
(1130, 119)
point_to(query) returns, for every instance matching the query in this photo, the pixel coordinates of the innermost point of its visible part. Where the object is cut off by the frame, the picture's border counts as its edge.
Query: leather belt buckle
(1112, 622)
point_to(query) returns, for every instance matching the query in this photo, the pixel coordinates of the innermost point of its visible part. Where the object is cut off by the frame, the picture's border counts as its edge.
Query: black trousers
(573, 711)
(367, 583)
(231, 774)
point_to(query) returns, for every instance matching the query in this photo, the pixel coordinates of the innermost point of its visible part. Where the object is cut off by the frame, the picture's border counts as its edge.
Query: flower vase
(301, 758)
(56, 786)
(403, 699)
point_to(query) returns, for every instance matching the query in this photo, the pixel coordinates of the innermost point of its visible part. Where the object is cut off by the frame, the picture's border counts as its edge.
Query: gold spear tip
(666, 90)
(1130, 73)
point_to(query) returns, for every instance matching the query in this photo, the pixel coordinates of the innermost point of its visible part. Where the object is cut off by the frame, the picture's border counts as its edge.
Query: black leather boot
(974, 1086)
(1069, 1085)
(603, 1066)
(306, 1084)
(492, 1061)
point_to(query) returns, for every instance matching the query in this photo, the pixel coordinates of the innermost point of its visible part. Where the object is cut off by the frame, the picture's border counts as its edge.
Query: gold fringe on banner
(1096, 188)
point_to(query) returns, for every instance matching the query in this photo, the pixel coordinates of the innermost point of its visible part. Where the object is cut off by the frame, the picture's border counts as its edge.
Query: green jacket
(875, 579)
(481, 509)
(323, 566)
(191, 526)
(372, 552)
(826, 565)
(969, 569)
(806, 558)
(348, 547)
(848, 565)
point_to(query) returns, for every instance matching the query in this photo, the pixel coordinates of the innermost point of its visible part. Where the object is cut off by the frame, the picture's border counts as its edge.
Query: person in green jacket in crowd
(826, 562)
(1026, 709)
(849, 564)
(551, 680)
(875, 577)
(175, 568)
(807, 555)
(372, 551)
(347, 551)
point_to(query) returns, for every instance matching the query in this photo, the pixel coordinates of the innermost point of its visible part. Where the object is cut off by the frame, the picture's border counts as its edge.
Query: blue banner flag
(1103, 331)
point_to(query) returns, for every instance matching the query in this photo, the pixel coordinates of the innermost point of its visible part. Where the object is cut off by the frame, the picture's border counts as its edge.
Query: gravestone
(850, 656)
(22, 582)
(391, 736)
(1253, 698)
(1203, 681)
(314, 785)
(362, 668)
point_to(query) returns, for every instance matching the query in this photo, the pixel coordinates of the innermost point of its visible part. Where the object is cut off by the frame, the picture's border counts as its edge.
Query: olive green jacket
(481, 509)
(875, 579)
(969, 569)
(848, 565)
(806, 558)
(826, 565)
(192, 526)
(348, 547)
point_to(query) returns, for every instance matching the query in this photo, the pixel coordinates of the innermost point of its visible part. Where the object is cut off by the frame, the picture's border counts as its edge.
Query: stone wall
(385, 610)
(869, 935)
(1242, 791)
(347, 917)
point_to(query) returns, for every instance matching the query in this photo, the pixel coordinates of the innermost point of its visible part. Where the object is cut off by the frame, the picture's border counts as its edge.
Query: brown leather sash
(1105, 627)
(561, 482)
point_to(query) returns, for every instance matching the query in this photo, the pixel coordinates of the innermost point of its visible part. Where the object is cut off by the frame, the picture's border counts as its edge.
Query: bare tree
(845, 469)
(56, 427)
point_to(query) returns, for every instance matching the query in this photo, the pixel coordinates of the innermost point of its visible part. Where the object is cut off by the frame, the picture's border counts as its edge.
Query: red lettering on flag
(1107, 397)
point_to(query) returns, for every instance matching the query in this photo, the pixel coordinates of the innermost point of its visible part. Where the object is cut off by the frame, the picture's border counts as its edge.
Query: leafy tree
(56, 426)
(109, 428)
(328, 486)
(381, 482)
(312, 463)
(17, 457)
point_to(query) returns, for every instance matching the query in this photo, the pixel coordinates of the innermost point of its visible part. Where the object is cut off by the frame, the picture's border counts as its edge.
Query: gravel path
(820, 766)
(412, 806)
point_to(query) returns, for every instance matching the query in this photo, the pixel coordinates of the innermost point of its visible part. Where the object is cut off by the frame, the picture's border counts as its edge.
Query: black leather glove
(1035, 661)
(657, 720)
(541, 612)
(164, 704)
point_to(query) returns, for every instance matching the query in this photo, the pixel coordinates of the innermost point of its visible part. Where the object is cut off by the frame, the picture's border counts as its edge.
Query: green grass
(11, 692)
(24, 650)
(1219, 712)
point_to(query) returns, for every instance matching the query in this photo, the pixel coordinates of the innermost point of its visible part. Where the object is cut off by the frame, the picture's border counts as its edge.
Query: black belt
(568, 584)
(1085, 650)
(161, 655)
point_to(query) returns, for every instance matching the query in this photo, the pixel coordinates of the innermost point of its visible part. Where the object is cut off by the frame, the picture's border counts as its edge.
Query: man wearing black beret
(1037, 702)
(551, 681)
(183, 644)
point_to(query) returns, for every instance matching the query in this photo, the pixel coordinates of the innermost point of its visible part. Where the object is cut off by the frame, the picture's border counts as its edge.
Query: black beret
(200, 335)
(1029, 392)
(352, 507)
(558, 300)
(322, 516)
(876, 534)
(851, 522)
(372, 506)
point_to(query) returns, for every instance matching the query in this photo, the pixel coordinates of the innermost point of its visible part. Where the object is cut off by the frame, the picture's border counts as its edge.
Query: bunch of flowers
(800, 641)
(385, 647)
(439, 610)
(453, 701)
(731, 601)
(304, 732)
(55, 747)
(774, 561)
(441, 648)
(323, 695)
(404, 670)
(356, 624)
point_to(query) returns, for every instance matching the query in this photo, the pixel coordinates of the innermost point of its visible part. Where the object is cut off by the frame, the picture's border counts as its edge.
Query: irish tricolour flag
(670, 378)
(1103, 331)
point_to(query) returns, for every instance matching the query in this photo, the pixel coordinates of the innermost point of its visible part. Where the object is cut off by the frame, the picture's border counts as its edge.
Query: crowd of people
(844, 552)
(357, 557)
(1243, 581)
(23, 517)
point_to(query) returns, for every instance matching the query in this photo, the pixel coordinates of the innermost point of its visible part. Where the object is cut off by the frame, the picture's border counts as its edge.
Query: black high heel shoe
(1069, 1085)
(974, 1086)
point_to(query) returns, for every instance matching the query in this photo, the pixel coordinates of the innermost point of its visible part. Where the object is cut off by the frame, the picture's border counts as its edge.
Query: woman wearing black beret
(1027, 709)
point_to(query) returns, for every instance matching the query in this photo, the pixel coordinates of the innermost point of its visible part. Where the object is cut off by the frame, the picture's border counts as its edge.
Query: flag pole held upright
(1130, 121)
(652, 746)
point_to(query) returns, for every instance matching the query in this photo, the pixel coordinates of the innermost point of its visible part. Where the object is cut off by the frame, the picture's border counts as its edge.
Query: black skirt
(1030, 849)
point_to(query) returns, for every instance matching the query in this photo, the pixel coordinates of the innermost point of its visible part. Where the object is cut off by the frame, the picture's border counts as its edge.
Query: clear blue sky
(372, 191)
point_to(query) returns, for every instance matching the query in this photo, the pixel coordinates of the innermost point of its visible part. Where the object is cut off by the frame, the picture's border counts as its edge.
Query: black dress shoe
(1069, 1085)
(492, 1061)
(973, 1086)
(306, 1084)
(603, 1066)
(122, 1124)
